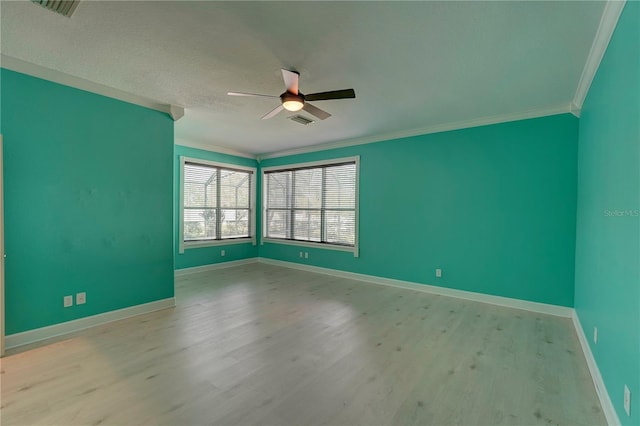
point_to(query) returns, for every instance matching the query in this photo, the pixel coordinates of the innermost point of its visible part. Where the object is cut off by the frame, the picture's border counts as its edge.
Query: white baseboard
(605, 400)
(561, 311)
(542, 308)
(38, 334)
(205, 268)
(31, 336)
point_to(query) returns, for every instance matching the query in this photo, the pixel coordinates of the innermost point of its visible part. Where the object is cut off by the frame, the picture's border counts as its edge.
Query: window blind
(217, 203)
(315, 204)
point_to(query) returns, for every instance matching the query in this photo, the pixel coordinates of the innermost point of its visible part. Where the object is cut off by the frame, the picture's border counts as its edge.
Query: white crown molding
(438, 128)
(605, 400)
(176, 112)
(213, 148)
(543, 308)
(18, 65)
(38, 334)
(608, 22)
(575, 110)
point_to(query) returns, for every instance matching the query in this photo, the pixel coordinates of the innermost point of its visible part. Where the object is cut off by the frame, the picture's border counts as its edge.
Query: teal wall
(88, 202)
(207, 255)
(0, 99)
(90, 183)
(493, 206)
(607, 288)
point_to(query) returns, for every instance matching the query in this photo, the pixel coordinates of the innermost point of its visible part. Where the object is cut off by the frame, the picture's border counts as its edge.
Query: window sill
(312, 244)
(212, 243)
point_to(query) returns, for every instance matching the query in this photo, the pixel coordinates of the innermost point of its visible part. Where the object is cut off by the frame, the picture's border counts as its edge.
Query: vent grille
(300, 119)
(64, 8)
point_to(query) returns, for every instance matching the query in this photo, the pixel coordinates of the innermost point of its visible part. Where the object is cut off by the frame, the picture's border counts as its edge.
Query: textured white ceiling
(413, 65)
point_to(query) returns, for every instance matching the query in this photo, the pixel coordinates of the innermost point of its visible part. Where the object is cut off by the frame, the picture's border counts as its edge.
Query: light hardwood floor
(260, 344)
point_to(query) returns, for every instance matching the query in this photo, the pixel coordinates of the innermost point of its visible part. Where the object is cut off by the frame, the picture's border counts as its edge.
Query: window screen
(217, 203)
(316, 204)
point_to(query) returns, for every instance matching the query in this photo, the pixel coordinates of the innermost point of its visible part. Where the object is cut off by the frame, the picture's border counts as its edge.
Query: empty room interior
(309, 212)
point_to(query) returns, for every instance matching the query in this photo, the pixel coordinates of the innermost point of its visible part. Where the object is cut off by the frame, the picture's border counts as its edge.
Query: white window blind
(217, 202)
(315, 204)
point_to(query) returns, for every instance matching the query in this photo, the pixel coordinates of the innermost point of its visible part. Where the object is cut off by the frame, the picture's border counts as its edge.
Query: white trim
(605, 400)
(220, 164)
(575, 110)
(438, 128)
(356, 242)
(183, 245)
(543, 308)
(310, 244)
(2, 254)
(213, 243)
(355, 158)
(355, 249)
(214, 266)
(213, 148)
(176, 112)
(18, 65)
(181, 201)
(608, 22)
(38, 334)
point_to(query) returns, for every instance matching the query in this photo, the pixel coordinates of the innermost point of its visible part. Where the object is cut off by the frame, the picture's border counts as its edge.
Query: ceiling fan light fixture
(292, 105)
(292, 102)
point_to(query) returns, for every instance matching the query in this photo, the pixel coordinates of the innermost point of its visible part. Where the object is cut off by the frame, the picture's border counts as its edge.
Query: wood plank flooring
(265, 345)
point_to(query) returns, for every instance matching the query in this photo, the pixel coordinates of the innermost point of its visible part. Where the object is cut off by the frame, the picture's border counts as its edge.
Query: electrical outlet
(81, 298)
(595, 335)
(438, 273)
(306, 254)
(627, 400)
(301, 254)
(222, 253)
(68, 301)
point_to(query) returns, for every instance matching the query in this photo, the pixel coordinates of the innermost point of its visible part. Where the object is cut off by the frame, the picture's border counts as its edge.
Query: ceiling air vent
(64, 8)
(300, 119)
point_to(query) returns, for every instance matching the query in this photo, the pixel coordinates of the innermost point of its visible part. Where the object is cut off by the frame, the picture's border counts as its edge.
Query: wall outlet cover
(595, 334)
(68, 301)
(81, 298)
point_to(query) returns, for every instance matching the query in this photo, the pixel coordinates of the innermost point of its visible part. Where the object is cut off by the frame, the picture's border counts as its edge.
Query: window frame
(183, 245)
(331, 246)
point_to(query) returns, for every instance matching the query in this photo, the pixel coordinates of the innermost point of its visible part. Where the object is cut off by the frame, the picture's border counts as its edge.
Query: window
(313, 204)
(217, 203)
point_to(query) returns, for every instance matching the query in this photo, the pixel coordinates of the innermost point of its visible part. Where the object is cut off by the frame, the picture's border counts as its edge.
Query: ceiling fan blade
(334, 94)
(250, 94)
(291, 80)
(273, 112)
(313, 110)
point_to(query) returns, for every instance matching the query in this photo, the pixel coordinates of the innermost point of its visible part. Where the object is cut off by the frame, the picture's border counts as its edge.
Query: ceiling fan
(293, 100)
